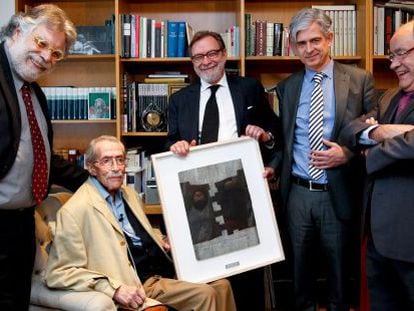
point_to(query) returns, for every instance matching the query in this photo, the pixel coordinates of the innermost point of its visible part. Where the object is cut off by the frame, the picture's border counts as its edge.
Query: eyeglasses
(57, 55)
(401, 54)
(198, 58)
(108, 162)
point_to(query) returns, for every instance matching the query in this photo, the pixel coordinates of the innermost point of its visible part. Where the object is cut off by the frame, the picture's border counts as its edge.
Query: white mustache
(209, 66)
(40, 61)
(115, 175)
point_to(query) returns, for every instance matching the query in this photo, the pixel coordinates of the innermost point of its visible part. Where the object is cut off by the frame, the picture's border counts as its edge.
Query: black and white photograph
(217, 210)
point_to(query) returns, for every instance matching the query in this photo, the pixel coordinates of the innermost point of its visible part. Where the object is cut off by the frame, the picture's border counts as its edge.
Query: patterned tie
(316, 122)
(405, 100)
(39, 177)
(209, 131)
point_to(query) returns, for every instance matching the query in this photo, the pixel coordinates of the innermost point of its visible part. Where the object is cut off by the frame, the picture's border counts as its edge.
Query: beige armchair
(43, 298)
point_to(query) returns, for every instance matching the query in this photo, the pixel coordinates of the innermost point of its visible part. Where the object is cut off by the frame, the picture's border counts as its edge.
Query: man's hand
(166, 243)
(371, 121)
(334, 156)
(182, 147)
(269, 173)
(129, 296)
(387, 131)
(257, 133)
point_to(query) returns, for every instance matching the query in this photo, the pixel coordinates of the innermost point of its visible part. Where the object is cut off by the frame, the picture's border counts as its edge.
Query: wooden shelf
(153, 209)
(89, 58)
(77, 122)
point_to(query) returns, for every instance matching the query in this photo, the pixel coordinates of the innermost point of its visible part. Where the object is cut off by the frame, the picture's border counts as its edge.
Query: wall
(6, 11)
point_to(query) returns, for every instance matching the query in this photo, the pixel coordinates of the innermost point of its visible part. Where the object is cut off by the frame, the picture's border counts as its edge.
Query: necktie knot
(318, 77)
(214, 89)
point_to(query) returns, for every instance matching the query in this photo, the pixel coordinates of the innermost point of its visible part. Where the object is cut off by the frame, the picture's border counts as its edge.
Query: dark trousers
(248, 290)
(17, 253)
(314, 229)
(390, 282)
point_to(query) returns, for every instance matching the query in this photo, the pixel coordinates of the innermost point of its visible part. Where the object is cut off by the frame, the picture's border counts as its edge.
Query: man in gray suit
(319, 208)
(387, 135)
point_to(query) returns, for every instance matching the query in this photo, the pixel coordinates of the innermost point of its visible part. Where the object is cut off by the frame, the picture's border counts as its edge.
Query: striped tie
(316, 122)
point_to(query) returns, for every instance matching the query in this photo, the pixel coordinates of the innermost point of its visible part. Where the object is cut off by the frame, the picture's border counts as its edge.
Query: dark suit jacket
(390, 187)
(250, 106)
(353, 89)
(61, 172)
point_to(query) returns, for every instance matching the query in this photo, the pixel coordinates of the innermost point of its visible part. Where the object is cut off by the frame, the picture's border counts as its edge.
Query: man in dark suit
(34, 42)
(240, 108)
(318, 192)
(387, 135)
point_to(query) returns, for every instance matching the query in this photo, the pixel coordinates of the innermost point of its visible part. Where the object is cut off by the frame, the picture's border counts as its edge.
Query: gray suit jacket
(353, 89)
(390, 187)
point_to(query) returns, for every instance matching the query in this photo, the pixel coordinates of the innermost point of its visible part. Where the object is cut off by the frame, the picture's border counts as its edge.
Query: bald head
(402, 56)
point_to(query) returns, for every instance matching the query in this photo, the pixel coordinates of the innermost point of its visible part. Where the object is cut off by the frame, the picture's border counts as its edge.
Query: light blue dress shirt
(301, 148)
(118, 208)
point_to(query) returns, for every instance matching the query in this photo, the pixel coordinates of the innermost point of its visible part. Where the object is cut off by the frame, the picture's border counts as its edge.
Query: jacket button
(122, 243)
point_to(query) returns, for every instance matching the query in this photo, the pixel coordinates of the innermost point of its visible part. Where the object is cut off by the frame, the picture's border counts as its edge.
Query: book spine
(172, 38)
(127, 35)
(181, 43)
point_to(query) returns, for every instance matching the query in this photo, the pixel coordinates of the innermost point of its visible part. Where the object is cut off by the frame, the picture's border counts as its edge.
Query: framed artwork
(174, 87)
(217, 210)
(99, 106)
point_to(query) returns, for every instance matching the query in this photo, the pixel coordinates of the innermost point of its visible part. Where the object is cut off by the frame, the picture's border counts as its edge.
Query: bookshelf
(216, 15)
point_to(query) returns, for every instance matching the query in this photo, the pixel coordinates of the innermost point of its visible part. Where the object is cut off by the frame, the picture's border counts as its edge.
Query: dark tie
(405, 100)
(316, 122)
(209, 131)
(39, 177)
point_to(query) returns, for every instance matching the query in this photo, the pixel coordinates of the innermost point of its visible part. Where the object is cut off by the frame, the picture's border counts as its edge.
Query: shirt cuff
(364, 137)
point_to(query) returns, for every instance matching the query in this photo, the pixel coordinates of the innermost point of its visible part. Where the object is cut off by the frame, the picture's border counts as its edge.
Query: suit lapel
(238, 101)
(341, 88)
(193, 105)
(7, 85)
(101, 206)
(292, 95)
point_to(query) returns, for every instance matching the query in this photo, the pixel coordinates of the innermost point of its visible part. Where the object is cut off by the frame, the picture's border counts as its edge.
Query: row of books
(140, 175)
(81, 103)
(265, 38)
(231, 38)
(387, 18)
(344, 28)
(72, 155)
(143, 37)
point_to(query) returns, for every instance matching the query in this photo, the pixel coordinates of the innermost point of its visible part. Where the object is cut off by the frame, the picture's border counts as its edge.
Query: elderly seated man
(104, 242)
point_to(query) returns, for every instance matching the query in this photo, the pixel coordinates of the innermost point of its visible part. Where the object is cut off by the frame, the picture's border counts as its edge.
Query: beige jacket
(89, 252)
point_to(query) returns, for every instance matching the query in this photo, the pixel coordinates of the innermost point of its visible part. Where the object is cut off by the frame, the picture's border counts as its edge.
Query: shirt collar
(221, 82)
(327, 70)
(105, 194)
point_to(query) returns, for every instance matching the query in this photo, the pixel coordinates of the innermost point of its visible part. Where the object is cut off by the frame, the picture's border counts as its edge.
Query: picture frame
(174, 87)
(217, 210)
(99, 106)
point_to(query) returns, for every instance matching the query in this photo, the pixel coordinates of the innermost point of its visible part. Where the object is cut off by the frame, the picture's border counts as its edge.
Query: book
(126, 31)
(277, 39)
(172, 38)
(181, 41)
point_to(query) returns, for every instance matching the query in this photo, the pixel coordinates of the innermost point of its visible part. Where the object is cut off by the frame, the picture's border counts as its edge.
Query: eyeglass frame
(43, 44)
(401, 54)
(119, 160)
(198, 58)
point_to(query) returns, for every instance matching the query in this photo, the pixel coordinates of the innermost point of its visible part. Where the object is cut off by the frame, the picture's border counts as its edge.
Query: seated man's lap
(183, 295)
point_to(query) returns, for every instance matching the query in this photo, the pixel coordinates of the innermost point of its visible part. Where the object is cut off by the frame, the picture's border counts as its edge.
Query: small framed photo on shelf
(174, 87)
(99, 106)
(217, 210)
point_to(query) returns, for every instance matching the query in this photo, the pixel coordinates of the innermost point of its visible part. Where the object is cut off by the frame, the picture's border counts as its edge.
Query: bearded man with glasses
(219, 107)
(33, 43)
(386, 136)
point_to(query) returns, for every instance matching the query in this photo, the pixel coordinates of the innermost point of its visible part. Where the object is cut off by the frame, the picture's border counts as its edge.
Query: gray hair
(90, 154)
(45, 14)
(305, 18)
